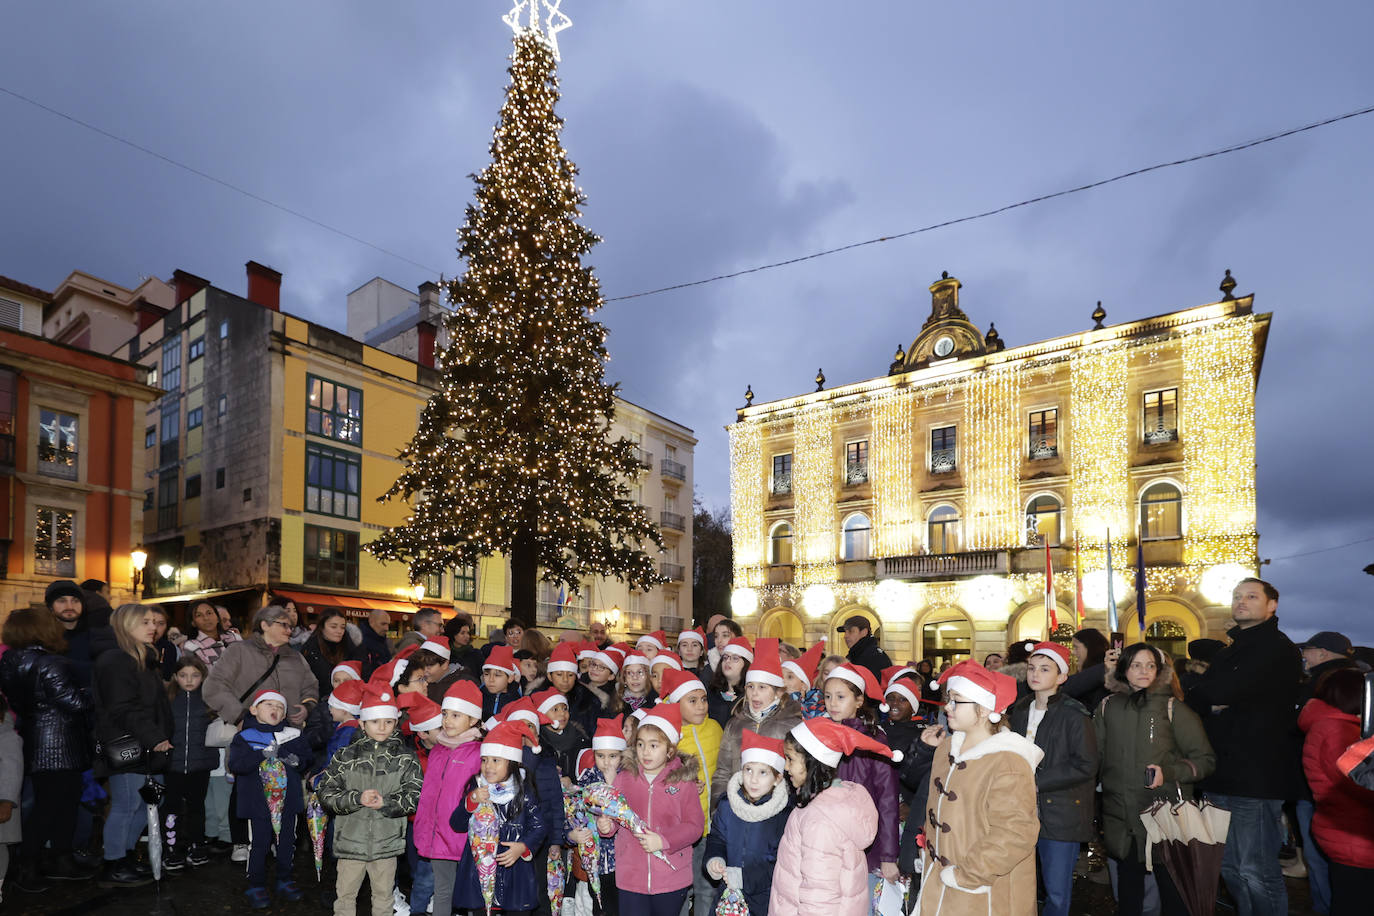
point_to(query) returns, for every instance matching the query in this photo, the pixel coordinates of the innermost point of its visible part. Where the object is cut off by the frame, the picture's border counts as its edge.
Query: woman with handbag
(133, 730)
(1153, 748)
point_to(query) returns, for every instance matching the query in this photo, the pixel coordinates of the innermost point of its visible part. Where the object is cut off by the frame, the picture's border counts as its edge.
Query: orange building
(71, 480)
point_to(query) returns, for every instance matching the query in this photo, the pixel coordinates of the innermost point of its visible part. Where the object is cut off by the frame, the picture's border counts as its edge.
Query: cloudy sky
(716, 135)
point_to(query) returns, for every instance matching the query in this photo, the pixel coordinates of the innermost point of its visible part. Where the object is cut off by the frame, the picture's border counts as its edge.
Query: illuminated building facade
(925, 499)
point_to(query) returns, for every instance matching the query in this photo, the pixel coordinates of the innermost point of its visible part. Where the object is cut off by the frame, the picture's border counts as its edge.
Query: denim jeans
(1250, 865)
(128, 814)
(1318, 880)
(1057, 859)
(421, 876)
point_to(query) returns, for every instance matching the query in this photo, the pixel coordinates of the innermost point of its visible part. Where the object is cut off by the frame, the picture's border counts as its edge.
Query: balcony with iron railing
(855, 473)
(944, 565)
(781, 483)
(548, 613)
(942, 461)
(1042, 450)
(636, 620)
(670, 625)
(673, 470)
(673, 572)
(645, 459)
(1159, 435)
(673, 521)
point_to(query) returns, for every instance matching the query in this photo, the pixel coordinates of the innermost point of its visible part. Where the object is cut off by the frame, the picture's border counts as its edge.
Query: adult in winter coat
(1088, 685)
(863, 646)
(243, 663)
(1144, 723)
(328, 646)
(1248, 699)
(1344, 820)
(210, 638)
(53, 711)
(130, 702)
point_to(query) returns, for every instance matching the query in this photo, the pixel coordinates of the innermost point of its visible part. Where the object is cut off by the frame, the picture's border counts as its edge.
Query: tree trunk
(524, 581)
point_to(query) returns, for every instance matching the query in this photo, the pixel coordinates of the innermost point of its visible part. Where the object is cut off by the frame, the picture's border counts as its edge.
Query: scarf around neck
(502, 793)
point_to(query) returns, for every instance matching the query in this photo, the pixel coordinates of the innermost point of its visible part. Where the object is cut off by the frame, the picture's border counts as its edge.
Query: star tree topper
(524, 17)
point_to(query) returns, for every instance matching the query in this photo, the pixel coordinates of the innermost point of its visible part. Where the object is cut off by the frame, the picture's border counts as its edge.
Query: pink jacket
(671, 807)
(450, 769)
(821, 864)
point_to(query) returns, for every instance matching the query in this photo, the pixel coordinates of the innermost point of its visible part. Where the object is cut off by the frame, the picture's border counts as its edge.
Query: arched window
(780, 545)
(943, 530)
(856, 537)
(1042, 521)
(1161, 512)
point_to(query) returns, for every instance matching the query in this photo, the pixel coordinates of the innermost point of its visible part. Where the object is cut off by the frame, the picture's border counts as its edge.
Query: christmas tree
(514, 453)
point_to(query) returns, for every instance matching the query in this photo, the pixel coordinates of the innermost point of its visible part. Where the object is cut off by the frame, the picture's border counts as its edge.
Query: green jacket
(1132, 735)
(387, 766)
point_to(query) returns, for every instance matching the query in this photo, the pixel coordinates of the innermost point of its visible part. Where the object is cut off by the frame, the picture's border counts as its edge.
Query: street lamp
(138, 558)
(165, 570)
(418, 590)
(612, 619)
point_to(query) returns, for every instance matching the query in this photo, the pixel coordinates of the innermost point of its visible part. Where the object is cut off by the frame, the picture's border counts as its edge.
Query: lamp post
(417, 592)
(138, 558)
(612, 618)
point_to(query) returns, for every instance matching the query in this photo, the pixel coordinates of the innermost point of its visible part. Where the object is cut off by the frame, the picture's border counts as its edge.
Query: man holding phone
(1248, 702)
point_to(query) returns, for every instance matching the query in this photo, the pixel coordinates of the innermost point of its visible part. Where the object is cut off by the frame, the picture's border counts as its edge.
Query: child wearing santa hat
(453, 762)
(585, 703)
(691, 648)
(564, 738)
(727, 679)
(1063, 729)
(371, 786)
(601, 763)
(799, 678)
(500, 677)
(500, 788)
(701, 737)
(266, 735)
(749, 822)
(659, 783)
(980, 856)
(764, 708)
(821, 866)
(633, 689)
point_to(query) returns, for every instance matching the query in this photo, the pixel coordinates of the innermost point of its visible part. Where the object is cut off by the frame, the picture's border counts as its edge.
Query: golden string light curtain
(891, 474)
(991, 458)
(1099, 440)
(746, 503)
(813, 492)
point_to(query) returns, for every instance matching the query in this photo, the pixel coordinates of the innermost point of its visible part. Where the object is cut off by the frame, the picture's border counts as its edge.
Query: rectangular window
(54, 542)
(224, 329)
(333, 481)
(334, 411)
(150, 437)
(219, 478)
(167, 502)
(331, 557)
(152, 377)
(57, 435)
(147, 500)
(193, 486)
(9, 385)
(171, 363)
(434, 585)
(465, 583)
(171, 425)
(1161, 416)
(782, 474)
(196, 349)
(170, 451)
(1044, 434)
(194, 417)
(943, 441)
(856, 462)
(223, 404)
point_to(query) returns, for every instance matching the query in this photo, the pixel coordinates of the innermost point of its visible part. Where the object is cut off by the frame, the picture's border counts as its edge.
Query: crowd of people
(667, 776)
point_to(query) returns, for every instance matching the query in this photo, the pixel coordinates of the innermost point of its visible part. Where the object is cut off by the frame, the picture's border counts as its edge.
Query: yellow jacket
(703, 742)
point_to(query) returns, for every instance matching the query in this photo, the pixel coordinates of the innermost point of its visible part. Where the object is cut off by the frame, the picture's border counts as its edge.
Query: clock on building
(944, 346)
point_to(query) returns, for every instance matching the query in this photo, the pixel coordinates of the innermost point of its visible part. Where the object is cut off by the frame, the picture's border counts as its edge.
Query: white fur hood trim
(1003, 741)
(748, 811)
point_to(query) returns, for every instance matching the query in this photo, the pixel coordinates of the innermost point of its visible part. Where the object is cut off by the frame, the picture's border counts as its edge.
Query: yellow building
(923, 499)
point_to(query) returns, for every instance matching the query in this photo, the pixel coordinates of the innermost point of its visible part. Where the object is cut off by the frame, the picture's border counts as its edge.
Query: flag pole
(1112, 623)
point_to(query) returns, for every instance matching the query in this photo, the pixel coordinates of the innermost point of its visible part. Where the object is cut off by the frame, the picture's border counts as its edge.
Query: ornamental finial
(524, 17)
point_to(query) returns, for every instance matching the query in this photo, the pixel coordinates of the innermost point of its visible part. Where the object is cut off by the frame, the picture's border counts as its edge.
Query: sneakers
(240, 854)
(29, 881)
(257, 898)
(197, 855)
(173, 861)
(400, 907)
(121, 873)
(288, 890)
(62, 867)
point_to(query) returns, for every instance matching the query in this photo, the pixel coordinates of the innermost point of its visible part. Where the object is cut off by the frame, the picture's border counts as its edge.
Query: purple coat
(879, 777)
(450, 769)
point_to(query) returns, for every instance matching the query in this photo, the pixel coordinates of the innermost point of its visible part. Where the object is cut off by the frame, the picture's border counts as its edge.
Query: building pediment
(946, 333)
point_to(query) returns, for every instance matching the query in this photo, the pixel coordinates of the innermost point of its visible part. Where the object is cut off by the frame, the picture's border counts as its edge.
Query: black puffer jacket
(130, 700)
(1067, 775)
(870, 654)
(321, 666)
(52, 709)
(190, 720)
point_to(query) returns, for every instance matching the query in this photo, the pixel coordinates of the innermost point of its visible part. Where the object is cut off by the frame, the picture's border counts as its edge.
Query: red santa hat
(586, 650)
(677, 684)
(386, 675)
(437, 648)
(1053, 650)
(805, 667)
(667, 657)
(464, 697)
(502, 658)
(906, 687)
(507, 740)
(610, 734)
(348, 696)
(667, 718)
(352, 669)
(266, 694)
(739, 646)
(378, 704)
(611, 657)
(525, 709)
(860, 677)
(891, 674)
(767, 663)
(658, 639)
(564, 658)
(545, 700)
(828, 741)
(698, 634)
(992, 690)
(635, 658)
(424, 714)
(755, 748)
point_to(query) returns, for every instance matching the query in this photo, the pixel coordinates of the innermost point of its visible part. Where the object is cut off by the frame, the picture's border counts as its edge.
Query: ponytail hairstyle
(818, 775)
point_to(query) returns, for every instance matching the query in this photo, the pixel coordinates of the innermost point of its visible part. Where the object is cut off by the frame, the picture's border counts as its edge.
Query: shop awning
(355, 602)
(188, 597)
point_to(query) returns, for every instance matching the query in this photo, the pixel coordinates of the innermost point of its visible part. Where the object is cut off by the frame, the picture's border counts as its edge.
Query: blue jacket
(542, 784)
(190, 720)
(746, 835)
(516, 887)
(342, 738)
(492, 703)
(246, 753)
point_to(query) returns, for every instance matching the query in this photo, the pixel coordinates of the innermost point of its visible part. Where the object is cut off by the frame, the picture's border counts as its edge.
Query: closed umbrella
(1190, 838)
(152, 793)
